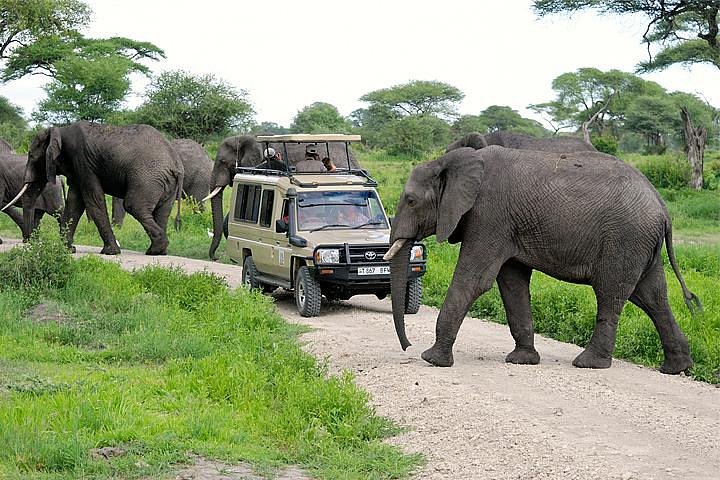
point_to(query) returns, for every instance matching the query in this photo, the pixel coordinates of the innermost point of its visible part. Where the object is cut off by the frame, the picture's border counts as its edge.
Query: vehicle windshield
(339, 210)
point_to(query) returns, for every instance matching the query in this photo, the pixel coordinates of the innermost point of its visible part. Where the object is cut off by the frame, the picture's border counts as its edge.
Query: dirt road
(485, 419)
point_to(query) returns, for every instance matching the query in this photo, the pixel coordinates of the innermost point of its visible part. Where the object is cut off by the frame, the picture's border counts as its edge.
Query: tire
(226, 226)
(308, 296)
(413, 296)
(249, 273)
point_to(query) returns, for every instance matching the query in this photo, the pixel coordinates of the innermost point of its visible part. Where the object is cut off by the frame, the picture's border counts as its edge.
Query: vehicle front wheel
(249, 273)
(413, 296)
(308, 296)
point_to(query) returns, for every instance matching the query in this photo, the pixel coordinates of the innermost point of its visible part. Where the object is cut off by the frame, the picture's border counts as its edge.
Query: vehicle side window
(266, 208)
(247, 203)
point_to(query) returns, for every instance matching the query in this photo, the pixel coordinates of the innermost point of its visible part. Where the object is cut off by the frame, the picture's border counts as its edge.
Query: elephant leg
(651, 296)
(474, 274)
(611, 298)
(118, 211)
(514, 285)
(97, 211)
(38, 217)
(16, 215)
(74, 208)
(158, 237)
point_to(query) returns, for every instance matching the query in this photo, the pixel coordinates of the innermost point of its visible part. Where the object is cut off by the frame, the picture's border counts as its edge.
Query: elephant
(245, 151)
(134, 162)
(5, 147)
(196, 181)
(50, 200)
(581, 217)
(559, 144)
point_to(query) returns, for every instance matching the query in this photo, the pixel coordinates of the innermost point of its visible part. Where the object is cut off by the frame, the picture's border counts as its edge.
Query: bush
(417, 135)
(44, 263)
(665, 171)
(606, 144)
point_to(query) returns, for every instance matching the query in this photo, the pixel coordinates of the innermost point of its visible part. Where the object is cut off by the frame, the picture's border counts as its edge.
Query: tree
(271, 128)
(418, 97)
(23, 22)
(654, 117)
(194, 106)
(319, 117)
(498, 117)
(697, 121)
(469, 124)
(416, 135)
(13, 126)
(685, 30)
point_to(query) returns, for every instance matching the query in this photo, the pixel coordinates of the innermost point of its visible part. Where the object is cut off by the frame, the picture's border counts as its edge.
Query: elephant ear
(52, 154)
(460, 175)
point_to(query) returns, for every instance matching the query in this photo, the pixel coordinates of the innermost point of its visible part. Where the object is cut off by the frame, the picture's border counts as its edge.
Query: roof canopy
(307, 138)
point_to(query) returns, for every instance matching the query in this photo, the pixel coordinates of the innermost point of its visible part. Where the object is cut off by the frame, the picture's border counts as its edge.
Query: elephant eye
(411, 202)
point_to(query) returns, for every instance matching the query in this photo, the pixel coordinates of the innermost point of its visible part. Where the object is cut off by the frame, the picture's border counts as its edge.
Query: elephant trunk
(217, 215)
(398, 284)
(29, 199)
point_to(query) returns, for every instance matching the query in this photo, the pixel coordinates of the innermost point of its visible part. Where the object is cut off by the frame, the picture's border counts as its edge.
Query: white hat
(269, 152)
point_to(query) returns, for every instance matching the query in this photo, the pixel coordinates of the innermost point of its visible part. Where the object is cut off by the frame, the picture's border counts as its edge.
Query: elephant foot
(1, 241)
(110, 250)
(523, 356)
(435, 356)
(590, 359)
(676, 364)
(158, 249)
(71, 248)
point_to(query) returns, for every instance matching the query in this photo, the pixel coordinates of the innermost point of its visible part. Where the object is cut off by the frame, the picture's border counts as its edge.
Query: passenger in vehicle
(273, 160)
(352, 215)
(311, 162)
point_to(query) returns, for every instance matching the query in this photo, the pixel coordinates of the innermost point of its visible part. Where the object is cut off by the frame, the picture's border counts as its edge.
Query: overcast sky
(287, 54)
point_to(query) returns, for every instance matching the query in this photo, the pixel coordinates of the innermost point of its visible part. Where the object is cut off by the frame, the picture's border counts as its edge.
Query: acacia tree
(319, 117)
(24, 22)
(418, 97)
(199, 107)
(686, 31)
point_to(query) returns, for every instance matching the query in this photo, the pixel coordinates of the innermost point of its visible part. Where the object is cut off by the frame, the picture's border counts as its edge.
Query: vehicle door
(246, 214)
(275, 207)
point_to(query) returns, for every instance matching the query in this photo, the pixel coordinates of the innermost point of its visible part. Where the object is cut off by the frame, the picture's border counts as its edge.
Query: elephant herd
(515, 203)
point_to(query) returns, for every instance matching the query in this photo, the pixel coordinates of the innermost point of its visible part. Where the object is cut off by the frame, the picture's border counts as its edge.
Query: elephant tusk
(17, 197)
(212, 194)
(395, 248)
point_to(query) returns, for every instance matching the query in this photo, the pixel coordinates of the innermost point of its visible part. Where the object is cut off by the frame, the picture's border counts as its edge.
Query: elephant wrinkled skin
(133, 162)
(582, 217)
(559, 144)
(196, 180)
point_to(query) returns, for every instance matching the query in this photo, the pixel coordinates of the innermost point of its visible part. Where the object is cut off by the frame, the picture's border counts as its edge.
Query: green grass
(161, 363)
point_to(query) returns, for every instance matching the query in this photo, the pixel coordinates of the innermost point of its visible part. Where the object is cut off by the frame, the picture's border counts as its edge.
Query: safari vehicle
(317, 233)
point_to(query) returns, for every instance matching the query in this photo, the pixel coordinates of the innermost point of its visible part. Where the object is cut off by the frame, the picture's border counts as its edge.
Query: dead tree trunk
(695, 138)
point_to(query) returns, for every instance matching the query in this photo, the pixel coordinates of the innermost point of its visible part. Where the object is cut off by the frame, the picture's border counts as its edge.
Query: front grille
(357, 253)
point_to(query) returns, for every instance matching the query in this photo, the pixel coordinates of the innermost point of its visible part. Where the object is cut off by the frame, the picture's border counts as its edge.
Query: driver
(351, 215)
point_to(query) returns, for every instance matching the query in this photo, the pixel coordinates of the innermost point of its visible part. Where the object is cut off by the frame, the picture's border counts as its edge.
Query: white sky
(287, 54)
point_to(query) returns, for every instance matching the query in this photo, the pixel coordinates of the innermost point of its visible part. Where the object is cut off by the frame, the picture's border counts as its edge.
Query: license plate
(380, 270)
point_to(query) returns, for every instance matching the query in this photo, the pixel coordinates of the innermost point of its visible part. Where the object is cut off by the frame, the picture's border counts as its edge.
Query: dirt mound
(48, 312)
(204, 469)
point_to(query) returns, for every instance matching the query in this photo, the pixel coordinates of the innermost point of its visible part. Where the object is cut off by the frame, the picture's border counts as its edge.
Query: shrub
(606, 144)
(42, 264)
(665, 171)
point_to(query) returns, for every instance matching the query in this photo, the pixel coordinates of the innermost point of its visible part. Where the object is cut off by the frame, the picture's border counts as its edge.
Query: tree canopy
(319, 117)
(417, 97)
(199, 107)
(23, 22)
(686, 31)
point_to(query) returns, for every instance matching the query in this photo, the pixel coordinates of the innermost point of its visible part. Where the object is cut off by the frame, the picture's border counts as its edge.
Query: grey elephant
(560, 144)
(133, 162)
(583, 217)
(196, 180)
(245, 151)
(50, 200)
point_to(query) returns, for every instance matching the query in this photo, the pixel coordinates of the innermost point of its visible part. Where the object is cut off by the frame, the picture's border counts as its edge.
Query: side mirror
(281, 226)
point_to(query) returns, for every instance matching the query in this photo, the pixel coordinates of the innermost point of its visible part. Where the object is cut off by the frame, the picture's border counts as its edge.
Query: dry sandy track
(485, 419)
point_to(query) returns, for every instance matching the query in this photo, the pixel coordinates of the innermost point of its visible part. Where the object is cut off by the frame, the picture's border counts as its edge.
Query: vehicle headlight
(327, 255)
(416, 254)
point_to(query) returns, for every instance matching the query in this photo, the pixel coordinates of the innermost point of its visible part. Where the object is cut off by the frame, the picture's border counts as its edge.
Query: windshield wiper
(328, 226)
(368, 223)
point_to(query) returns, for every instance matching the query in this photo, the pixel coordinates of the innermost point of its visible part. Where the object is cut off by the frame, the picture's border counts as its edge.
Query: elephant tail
(691, 300)
(178, 197)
